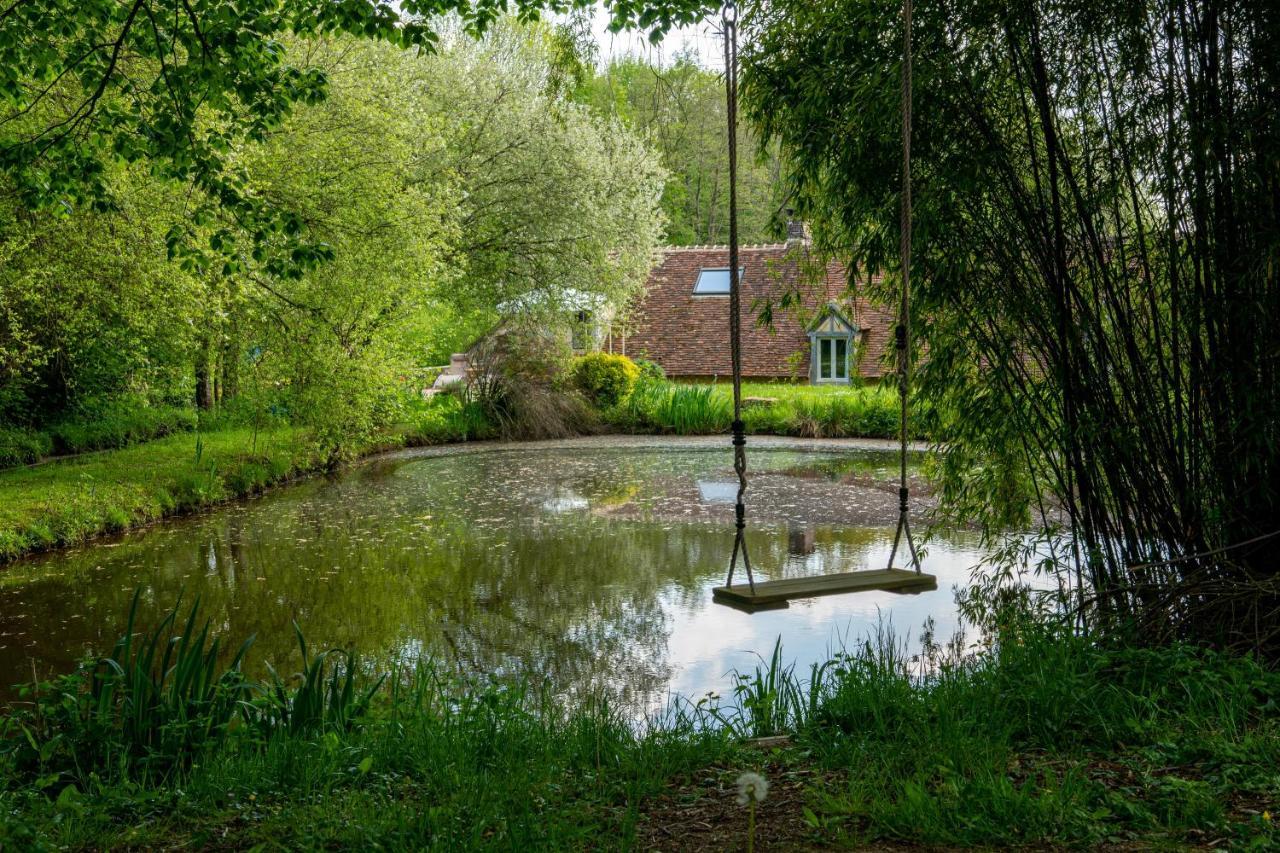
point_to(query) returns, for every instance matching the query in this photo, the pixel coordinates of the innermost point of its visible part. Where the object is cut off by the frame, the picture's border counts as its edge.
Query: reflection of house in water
(565, 500)
(717, 491)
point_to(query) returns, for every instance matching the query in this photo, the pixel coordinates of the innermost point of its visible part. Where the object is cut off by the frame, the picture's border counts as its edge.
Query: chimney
(797, 231)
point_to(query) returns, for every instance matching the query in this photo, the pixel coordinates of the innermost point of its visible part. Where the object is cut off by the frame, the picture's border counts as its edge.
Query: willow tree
(1097, 229)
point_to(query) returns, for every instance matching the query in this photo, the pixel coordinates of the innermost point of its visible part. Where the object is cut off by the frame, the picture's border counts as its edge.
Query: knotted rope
(904, 305)
(735, 319)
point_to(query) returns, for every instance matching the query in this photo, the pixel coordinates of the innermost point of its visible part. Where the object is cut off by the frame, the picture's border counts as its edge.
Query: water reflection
(585, 570)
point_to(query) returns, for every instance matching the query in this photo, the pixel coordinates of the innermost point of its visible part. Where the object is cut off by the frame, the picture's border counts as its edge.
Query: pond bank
(71, 501)
(1044, 740)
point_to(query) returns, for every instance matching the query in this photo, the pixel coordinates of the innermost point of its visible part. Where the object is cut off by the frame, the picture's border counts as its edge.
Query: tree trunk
(204, 377)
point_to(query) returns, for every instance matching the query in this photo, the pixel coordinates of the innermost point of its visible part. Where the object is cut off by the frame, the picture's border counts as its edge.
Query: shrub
(517, 383)
(20, 446)
(650, 369)
(605, 378)
(119, 422)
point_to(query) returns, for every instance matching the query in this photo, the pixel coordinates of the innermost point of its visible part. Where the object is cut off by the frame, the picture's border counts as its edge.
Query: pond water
(584, 566)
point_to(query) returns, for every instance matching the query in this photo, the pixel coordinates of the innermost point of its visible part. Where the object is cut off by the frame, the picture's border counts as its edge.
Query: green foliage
(650, 369)
(680, 110)
(22, 446)
(799, 410)
(1043, 737)
(1086, 340)
(154, 703)
(119, 422)
(864, 412)
(495, 760)
(447, 418)
(437, 189)
(180, 88)
(318, 704)
(605, 378)
(1040, 737)
(681, 409)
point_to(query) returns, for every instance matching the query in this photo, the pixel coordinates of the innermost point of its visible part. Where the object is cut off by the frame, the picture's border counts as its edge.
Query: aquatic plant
(326, 698)
(677, 408)
(772, 699)
(154, 702)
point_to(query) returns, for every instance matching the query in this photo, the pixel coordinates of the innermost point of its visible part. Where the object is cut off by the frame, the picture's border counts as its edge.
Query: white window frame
(840, 372)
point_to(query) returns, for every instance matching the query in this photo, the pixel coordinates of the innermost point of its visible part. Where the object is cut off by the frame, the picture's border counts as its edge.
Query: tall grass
(155, 701)
(320, 702)
(799, 410)
(1041, 737)
(680, 409)
(1044, 736)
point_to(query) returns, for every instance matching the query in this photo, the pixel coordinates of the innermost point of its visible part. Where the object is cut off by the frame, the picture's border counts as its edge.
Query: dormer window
(831, 347)
(714, 281)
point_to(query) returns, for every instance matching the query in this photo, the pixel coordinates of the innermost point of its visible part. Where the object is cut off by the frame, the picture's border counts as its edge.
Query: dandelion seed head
(752, 787)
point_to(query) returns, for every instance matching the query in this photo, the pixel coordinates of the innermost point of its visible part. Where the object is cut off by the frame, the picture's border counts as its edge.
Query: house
(682, 320)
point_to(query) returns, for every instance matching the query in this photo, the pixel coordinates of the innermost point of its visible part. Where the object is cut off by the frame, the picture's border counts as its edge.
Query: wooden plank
(778, 592)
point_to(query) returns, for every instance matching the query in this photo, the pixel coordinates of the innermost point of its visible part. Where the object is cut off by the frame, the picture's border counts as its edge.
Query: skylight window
(714, 281)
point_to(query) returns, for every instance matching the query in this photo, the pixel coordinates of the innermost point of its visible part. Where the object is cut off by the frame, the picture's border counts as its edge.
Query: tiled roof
(689, 335)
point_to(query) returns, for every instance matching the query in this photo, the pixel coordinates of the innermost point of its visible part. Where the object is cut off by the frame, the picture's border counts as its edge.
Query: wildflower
(752, 788)
(1266, 816)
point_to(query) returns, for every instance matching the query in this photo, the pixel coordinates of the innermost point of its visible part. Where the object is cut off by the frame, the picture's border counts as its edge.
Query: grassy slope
(68, 501)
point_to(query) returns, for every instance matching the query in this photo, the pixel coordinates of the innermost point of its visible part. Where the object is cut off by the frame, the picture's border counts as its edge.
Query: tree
(181, 84)
(1097, 218)
(90, 307)
(556, 203)
(680, 110)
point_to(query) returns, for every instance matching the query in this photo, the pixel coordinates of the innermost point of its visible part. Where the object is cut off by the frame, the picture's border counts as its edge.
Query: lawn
(67, 501)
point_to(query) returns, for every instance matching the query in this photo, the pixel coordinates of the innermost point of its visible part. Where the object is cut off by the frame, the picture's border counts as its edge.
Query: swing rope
(904, 306)
(901, 333)
(735, 319)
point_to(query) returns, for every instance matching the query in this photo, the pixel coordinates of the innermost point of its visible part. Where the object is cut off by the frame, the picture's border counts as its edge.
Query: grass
(1045, 737)
(417, 758)
(1041, 738)
(808, 411)
(65, 502)
(116, 423)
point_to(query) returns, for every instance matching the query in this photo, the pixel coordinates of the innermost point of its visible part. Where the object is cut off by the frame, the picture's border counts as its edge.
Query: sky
(704, 39)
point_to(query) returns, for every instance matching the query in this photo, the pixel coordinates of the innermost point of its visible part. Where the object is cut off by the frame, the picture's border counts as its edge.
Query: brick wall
(689, 335)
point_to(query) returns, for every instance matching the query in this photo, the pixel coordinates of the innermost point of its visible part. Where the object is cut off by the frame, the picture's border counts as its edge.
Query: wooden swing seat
(776, 593)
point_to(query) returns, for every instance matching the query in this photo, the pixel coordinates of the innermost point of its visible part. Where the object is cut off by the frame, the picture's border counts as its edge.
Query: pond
(585, 566)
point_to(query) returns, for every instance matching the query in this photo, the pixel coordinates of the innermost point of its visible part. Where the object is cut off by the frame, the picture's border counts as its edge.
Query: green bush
(20, 446)
(119, 422)
(650, 369)
(604, 378)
